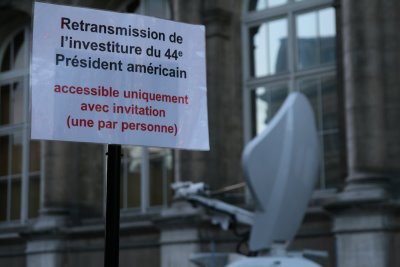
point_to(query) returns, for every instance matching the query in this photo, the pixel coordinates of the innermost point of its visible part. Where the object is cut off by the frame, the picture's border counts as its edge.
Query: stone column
(71, 190)
(221, 165)
(73, 179)
(371, 52)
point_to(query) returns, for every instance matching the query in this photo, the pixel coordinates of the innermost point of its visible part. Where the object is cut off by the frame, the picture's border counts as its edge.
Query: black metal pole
(111, 251)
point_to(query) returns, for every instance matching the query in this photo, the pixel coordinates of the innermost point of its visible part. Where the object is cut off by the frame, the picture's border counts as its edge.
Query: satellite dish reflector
(281, 168)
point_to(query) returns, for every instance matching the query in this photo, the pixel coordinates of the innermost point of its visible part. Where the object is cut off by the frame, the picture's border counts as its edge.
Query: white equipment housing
(274, 262)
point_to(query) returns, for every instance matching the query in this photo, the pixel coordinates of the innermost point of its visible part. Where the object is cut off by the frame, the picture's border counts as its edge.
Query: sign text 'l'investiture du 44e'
(106, 77)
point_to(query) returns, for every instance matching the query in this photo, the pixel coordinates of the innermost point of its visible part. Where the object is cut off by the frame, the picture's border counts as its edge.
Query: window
(146, 172)
(145, 177)
(19, 157)
(268, 57)
(262, 4)
(289, 45)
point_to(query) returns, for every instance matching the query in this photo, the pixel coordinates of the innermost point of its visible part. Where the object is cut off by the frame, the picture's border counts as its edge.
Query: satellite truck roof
(281, 168)
(273, 261)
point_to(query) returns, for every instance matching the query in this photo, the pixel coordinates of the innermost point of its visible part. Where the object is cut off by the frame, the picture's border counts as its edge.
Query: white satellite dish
(281, 168)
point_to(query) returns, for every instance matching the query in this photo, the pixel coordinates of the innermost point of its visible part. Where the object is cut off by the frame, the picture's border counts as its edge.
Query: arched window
(290, 45)
(19, 157)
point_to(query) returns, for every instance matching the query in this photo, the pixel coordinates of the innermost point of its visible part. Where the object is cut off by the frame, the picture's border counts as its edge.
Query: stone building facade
(342, 54)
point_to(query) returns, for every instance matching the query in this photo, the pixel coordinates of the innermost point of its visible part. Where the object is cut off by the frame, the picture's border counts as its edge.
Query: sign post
(111, 250)
(114, 78)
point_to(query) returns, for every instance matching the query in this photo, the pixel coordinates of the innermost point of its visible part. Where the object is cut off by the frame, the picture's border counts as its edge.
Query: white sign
(107, 77)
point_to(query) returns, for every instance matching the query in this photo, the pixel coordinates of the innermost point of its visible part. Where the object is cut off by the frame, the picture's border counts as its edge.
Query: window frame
(294, 74)
(9, 77)
(144, 170)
